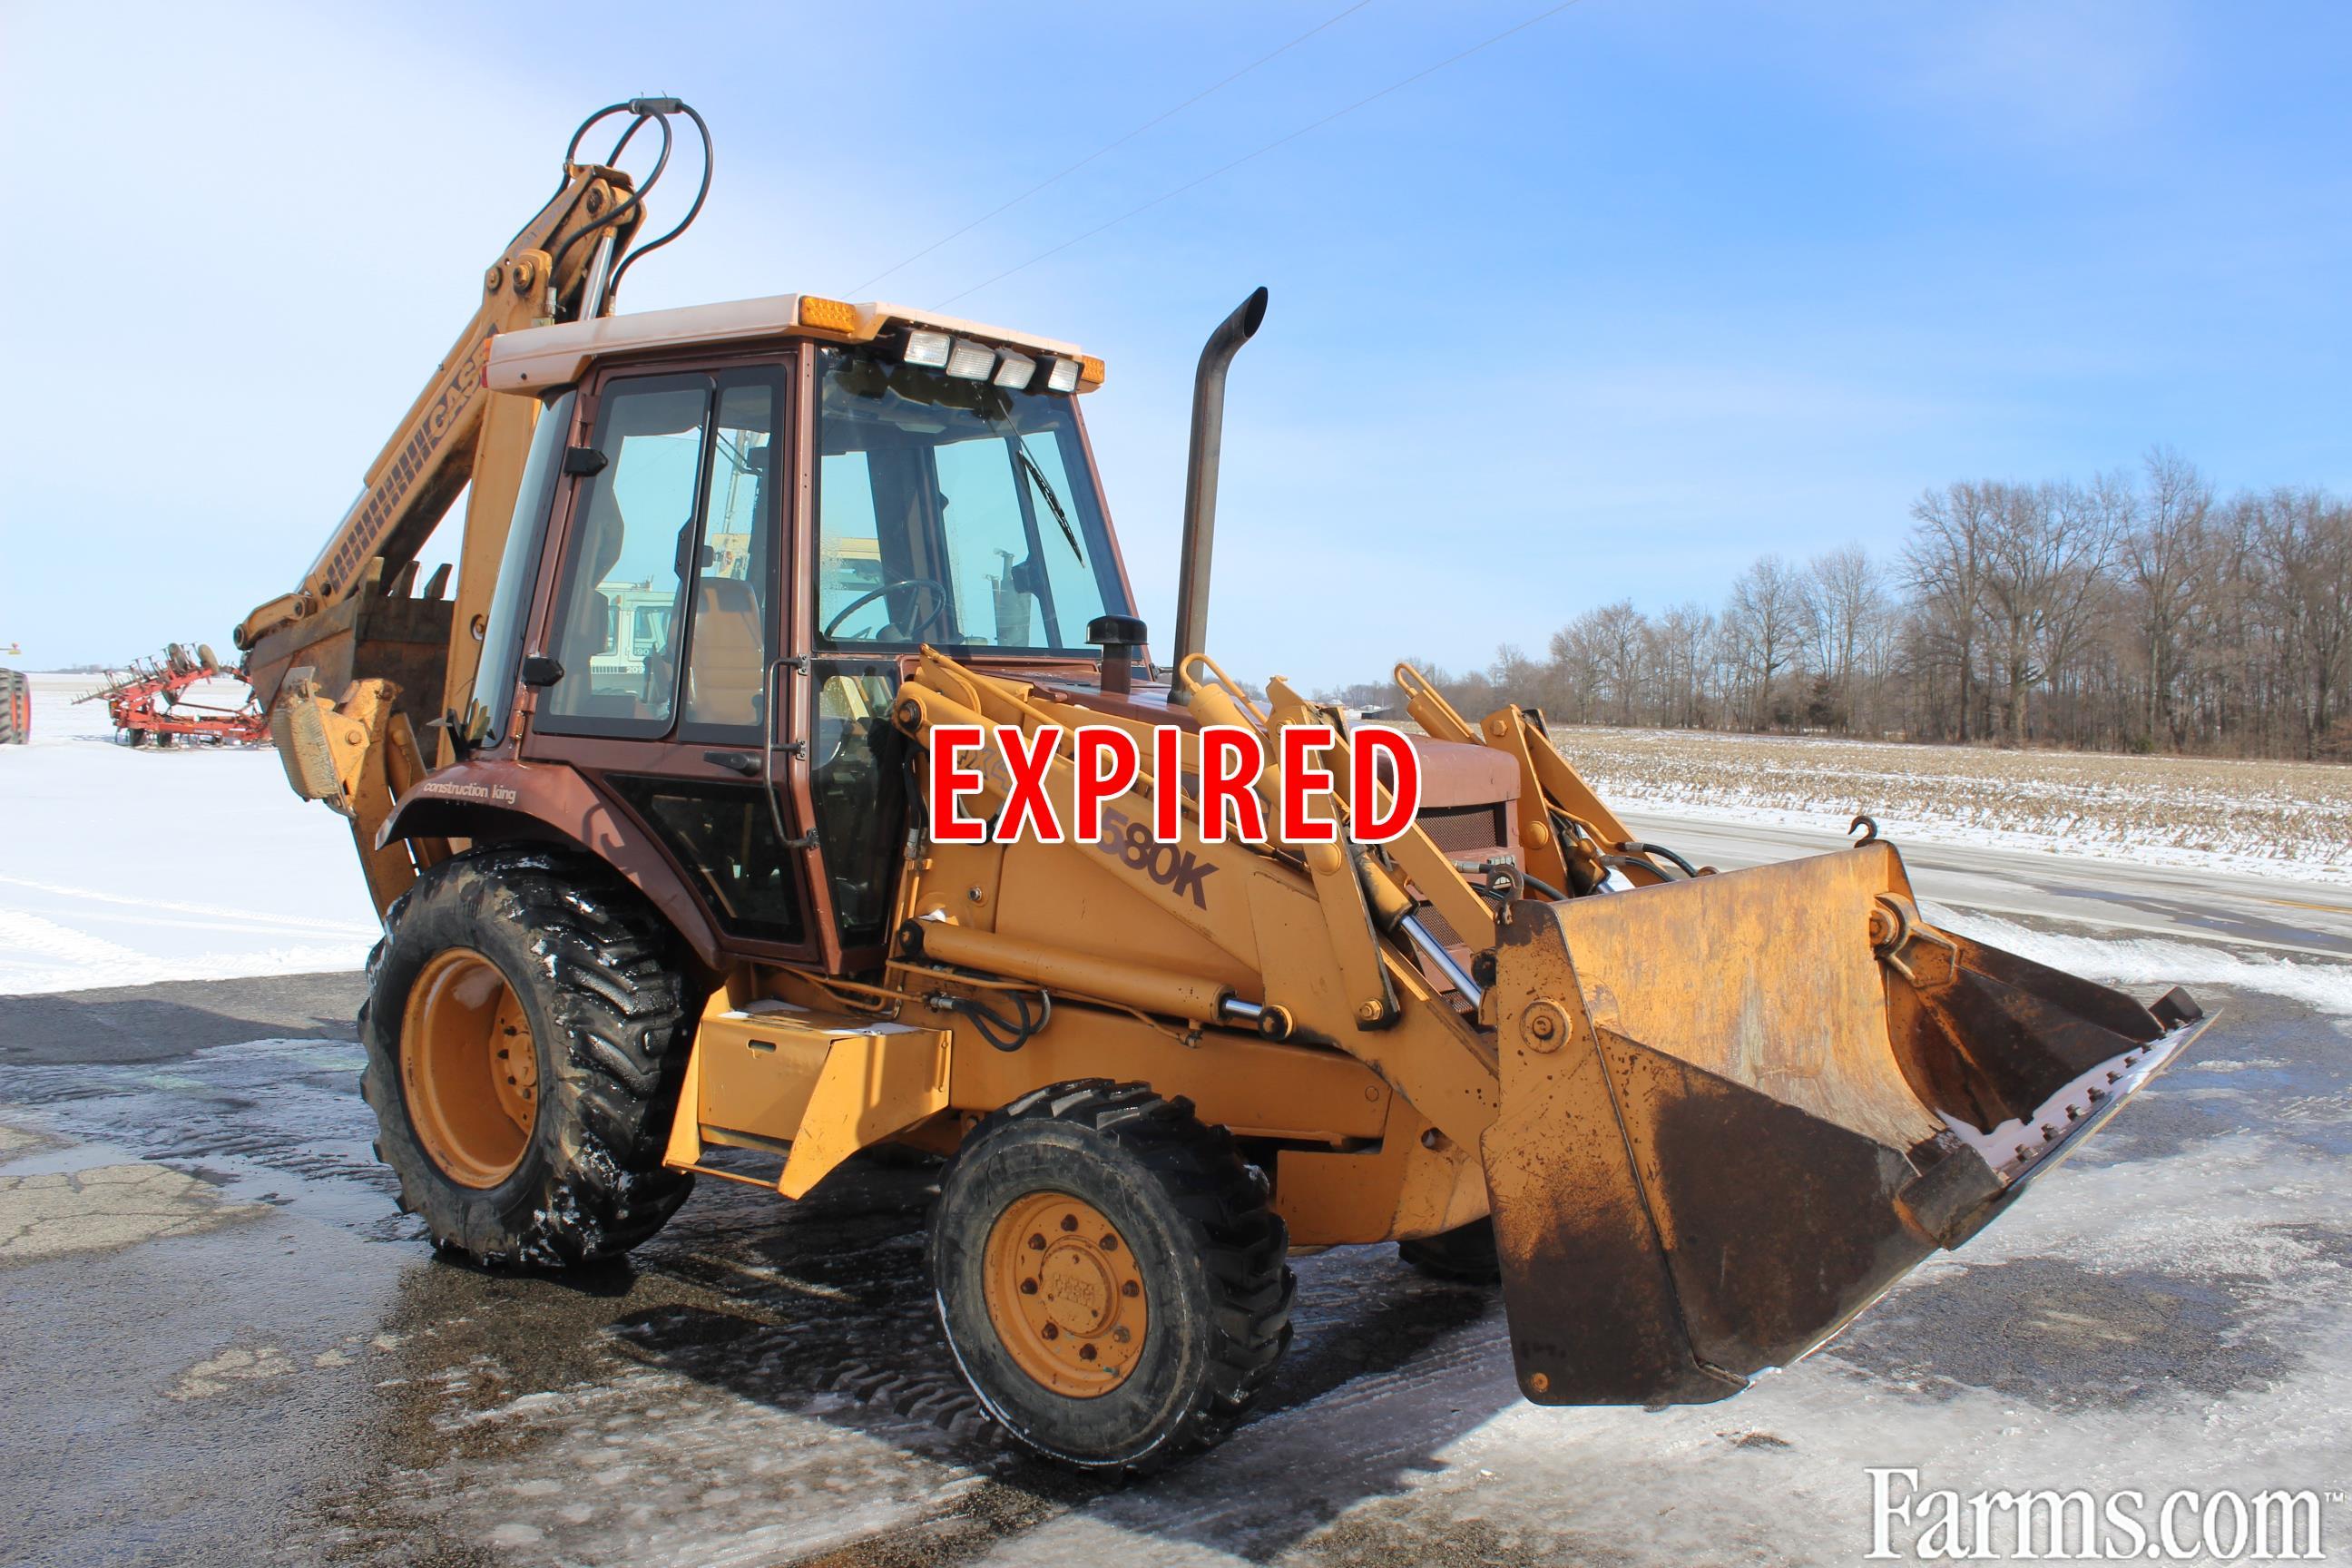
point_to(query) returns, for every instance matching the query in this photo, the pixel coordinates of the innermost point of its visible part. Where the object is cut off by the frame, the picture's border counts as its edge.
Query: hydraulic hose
(641, 110)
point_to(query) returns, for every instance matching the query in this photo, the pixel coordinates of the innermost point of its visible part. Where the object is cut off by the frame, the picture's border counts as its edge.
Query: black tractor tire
(1210, 1254)
(1465, 1255)
(597, 975)
(16, 708)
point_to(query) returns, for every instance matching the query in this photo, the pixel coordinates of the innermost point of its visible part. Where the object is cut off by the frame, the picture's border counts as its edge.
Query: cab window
(726, 663)
(671, 550)
(619, 609)
(954, 512)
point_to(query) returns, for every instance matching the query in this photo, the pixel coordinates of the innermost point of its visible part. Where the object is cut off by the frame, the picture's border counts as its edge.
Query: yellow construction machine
(636, 805)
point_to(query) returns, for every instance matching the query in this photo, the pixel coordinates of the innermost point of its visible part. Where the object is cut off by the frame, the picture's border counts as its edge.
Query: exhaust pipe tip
(1249, 316)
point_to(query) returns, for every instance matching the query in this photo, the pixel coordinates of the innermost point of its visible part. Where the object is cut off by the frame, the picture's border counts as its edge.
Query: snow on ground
(121, 867)
(2290, 819)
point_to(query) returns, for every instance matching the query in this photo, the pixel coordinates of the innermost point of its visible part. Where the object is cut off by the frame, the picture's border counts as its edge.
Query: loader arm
(1712, 1117)
(1572, 840)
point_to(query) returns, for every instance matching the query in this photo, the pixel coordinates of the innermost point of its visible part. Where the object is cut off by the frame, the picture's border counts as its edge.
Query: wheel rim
(1066, 1295)
(468, 1068)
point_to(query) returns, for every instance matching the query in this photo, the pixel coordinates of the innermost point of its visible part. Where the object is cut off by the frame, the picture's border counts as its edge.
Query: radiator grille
(1463, 830)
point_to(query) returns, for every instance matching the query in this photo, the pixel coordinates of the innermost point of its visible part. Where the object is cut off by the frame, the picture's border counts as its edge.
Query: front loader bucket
(1736, 1108)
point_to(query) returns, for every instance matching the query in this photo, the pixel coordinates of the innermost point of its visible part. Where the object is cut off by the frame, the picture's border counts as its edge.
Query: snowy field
(2288, 819)
(121, 867)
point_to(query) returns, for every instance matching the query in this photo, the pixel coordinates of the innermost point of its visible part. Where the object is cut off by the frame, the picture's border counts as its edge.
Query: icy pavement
(120, 866)
(295, 1378)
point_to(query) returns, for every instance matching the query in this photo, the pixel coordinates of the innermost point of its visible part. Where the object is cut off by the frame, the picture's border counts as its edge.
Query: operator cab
(707, 536)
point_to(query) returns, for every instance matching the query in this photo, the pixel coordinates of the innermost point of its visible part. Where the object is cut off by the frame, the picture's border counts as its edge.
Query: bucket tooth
(1736, 1109)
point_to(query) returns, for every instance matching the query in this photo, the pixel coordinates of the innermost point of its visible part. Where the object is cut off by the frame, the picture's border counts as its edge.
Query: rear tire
(1165, 1294)
(552, 1155)
(16, 708)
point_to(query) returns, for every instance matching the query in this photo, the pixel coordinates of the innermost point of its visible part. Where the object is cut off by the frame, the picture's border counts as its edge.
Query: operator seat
(729, 670)
(729, 653)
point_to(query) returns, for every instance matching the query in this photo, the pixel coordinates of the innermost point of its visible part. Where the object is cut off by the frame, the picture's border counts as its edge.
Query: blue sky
(1600, 312)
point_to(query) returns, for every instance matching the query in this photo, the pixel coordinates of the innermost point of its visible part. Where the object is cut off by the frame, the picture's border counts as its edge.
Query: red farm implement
(15, 705)
(154, 703)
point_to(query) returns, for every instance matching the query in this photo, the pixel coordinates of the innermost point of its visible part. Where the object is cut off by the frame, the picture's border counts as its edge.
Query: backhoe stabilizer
(1736, 1109)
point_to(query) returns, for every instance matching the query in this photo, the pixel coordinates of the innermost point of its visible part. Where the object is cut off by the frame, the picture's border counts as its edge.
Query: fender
(491, 798)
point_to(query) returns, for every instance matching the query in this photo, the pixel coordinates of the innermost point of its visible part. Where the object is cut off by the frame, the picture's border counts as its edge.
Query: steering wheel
(935, 616)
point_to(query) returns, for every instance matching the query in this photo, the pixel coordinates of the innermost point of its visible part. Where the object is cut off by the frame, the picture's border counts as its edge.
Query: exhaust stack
(1201, 475)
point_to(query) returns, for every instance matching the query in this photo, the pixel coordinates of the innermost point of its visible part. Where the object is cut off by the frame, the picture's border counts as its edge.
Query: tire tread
(1243, 1244)
(619, 1006)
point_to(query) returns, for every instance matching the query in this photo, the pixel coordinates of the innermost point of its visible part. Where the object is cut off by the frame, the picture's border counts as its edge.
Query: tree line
(2134, 612)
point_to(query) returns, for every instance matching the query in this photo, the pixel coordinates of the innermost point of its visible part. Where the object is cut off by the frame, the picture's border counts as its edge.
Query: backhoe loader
(637, 804)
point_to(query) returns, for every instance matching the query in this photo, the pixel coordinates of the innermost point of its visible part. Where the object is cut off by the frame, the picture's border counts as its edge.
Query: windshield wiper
(1053, 502)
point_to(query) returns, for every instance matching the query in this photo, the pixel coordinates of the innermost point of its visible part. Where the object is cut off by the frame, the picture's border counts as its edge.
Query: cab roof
(533, 359)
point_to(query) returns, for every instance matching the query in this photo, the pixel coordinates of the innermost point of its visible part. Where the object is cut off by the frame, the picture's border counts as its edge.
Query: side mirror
(538, 670)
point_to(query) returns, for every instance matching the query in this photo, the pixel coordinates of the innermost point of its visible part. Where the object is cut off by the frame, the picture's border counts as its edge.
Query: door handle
(742, 763)
(767, 763)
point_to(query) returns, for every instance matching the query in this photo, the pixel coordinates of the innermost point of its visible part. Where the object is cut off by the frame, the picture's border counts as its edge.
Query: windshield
(954, 512)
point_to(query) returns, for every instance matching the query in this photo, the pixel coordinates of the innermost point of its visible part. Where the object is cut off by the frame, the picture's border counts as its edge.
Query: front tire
(1109, 1276)
(525, 1030)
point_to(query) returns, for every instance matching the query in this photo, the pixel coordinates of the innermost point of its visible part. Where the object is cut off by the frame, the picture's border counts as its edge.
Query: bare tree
(2078, 596)
(1844, 599)
(1615, 633)
(1945, 564)
(2305, 540)
(1765, 622)
(1576, 671)
(2160, 555)
(1684, 639)
(2044, 551)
